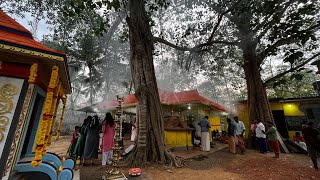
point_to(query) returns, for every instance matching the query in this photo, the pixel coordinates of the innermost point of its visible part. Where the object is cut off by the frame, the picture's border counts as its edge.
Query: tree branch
(107, 36)
(160, 40)
(220, 19)
(197, 48)
(289, 40)
(291, 69)
(216, 26)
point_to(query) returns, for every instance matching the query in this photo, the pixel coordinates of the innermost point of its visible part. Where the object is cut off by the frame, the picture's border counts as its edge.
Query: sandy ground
(218, 165)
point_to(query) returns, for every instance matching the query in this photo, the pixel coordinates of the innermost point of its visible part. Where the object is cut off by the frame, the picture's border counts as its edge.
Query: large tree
(150, 145)
(260, 30)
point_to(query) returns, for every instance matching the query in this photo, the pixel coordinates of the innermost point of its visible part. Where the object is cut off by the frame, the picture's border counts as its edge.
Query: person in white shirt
(261, 137)
(239, 132)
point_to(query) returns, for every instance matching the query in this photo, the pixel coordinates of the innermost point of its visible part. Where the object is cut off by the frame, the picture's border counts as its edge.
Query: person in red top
(310, 135)
(73, 140)
(298, 139)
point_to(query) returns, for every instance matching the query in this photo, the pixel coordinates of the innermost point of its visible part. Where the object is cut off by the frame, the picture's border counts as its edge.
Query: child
(224, 138)
(298, 139)
(73, 140)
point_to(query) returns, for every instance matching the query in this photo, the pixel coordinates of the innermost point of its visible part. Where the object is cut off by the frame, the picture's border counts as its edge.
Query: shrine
(34, 80)
(181, 111)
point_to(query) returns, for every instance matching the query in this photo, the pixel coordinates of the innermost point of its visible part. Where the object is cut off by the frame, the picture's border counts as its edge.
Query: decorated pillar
(64, 101)
(43, 128)
(22, 120)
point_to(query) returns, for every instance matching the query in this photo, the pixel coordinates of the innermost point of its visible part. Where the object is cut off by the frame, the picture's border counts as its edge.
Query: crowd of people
(236, 132)
(309, 141)
(86, 143)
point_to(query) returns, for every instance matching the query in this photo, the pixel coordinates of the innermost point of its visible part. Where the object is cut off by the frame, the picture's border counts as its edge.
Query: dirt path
(219, 165)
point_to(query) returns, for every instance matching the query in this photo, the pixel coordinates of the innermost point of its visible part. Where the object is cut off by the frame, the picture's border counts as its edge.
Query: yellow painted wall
(290, 109)
(215, 123)
(184, 138)
(243, 116)
(178, 138)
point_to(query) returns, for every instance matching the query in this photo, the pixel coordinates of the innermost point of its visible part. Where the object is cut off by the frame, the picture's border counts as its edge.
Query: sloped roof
(17, 40)
(166, 98)
(8, 22)
(13, 33)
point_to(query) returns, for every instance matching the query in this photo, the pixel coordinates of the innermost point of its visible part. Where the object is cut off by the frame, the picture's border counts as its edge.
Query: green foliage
(293, 56)
(294, 85)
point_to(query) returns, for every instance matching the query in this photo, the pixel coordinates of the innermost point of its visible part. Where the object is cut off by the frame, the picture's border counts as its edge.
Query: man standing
(240, 129)
(231, 142)
(205, 141)
(261, 137)
(310, 136)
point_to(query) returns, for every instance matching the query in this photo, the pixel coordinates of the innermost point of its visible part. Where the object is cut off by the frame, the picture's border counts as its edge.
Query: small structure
(288, 113)
(33, 80)
(181, 111)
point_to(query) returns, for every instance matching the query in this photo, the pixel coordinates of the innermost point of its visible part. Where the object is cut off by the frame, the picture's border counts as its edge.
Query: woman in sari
(73, 141)
(91, 147)
(78, 149)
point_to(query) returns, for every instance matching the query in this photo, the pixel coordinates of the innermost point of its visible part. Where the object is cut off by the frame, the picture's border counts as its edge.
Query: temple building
(181, 112)
(34, 80)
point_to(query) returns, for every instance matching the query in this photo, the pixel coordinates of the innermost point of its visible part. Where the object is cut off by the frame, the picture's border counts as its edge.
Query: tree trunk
(258, 104)
(91, 86)
(150, 145)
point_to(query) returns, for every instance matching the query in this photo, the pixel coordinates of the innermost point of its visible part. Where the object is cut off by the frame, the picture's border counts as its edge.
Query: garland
(33, 73)
(64, 100)
(42, 130)
(54, 109)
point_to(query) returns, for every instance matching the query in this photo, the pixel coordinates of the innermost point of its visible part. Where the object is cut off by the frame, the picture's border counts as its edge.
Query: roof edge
(31, 51)
(23, 33)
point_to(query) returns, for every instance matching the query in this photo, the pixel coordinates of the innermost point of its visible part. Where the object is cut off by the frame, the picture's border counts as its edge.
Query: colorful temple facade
(34, 80)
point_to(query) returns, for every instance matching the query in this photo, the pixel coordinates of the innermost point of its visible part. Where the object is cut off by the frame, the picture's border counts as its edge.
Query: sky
(42, 26)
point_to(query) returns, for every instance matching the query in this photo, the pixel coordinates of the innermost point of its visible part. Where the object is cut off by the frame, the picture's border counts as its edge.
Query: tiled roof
(14, 34)
(167, 98)
(21, 41)
(7, 21)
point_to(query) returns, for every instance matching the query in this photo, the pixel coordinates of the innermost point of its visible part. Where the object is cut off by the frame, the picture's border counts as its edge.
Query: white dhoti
(205, 141)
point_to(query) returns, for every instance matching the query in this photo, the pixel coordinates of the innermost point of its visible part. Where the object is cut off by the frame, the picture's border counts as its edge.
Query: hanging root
(139, 159)
(173, 159)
